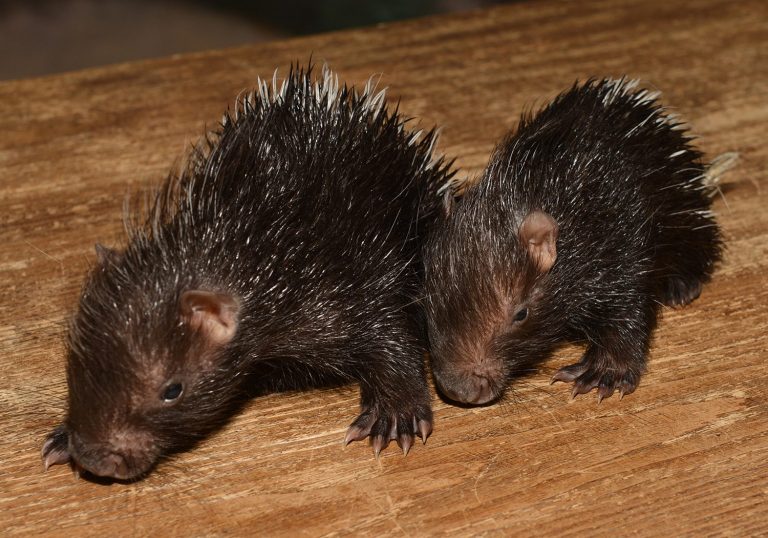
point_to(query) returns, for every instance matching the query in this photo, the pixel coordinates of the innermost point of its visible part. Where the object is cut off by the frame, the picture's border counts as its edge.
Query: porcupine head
(481, 322)
(146, 375)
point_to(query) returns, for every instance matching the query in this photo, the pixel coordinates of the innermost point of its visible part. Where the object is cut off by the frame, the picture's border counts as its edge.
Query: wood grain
(687, 454)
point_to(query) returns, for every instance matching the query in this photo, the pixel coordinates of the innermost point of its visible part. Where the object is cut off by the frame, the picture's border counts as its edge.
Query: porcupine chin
(291, 243)
(589, 217)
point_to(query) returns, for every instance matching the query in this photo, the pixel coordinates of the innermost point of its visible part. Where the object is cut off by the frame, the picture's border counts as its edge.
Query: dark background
(39, 37)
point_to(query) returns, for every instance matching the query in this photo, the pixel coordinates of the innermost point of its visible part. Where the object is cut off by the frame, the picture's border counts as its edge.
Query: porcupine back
(305, 212)
(653, 216)
(308, 183)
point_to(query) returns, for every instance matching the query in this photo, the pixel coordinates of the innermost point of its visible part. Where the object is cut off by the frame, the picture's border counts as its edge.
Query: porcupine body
(589, 217)
(289, 244)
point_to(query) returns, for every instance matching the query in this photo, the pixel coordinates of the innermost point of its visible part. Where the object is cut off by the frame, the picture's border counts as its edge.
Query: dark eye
(520, 315)
(172, 392)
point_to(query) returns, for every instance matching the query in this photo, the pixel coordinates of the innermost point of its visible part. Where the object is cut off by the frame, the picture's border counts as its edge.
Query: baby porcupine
(292, 241)
(589, 217)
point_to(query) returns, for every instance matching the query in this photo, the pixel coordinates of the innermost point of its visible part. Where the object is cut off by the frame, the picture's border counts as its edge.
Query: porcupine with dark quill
(589, 217)
(291, 239)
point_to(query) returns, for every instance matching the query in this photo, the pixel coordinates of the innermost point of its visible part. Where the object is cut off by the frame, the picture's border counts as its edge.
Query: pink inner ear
(214, 315)
(105, 254)
(538, 233)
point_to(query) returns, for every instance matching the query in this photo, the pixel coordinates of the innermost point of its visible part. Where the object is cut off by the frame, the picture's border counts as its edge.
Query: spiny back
(309, 191)
(301, 159)
(602, 128)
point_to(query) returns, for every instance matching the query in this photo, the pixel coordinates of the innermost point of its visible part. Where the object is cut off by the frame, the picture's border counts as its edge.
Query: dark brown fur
(588, 218)
(286, 254)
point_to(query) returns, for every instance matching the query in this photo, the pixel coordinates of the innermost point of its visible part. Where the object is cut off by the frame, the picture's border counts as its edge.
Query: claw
(425, 429)
(582, 387)
(360, 428)
(55, 457)
(379, 443)
(626, 389)
(605, 391)
(393, 430)
(405, 442)
(568, 373)
(55, 450)
(356, 433)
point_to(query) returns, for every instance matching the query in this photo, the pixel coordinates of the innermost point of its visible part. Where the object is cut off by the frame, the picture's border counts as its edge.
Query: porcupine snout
(475, 379)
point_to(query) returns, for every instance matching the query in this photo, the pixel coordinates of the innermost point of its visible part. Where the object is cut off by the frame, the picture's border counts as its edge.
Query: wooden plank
(686, 454)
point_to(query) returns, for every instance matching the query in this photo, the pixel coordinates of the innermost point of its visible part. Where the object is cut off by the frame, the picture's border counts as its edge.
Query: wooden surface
(687, 454)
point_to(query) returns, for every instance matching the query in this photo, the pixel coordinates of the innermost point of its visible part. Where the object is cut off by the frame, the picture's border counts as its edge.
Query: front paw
(606, 379)
(55, 450)
(386, 423)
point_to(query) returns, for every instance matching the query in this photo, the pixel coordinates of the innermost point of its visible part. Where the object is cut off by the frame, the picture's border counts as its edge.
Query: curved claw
(405, 442)
(55, 457)
(55, 450)
(569, 373)
(356, 433)
(626, 388)
(379, 443)
(605, 391)
(582, 387)
(424, 429)
(360, 428)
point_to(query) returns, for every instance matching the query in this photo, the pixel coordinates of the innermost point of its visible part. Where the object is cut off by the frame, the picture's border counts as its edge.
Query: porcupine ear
(214, 315)
(538, 233)
(106, 254)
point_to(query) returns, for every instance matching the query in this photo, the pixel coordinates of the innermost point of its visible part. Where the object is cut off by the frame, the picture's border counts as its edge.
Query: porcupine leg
(601, 369)
(678, 291)
(688, 247)
(685, 270)
(615, 360)
(395, 401)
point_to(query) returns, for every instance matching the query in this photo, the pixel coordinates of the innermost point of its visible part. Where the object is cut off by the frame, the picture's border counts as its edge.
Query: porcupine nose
(119, 465)
(110, 465)
(99, 459)
(473, 389)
